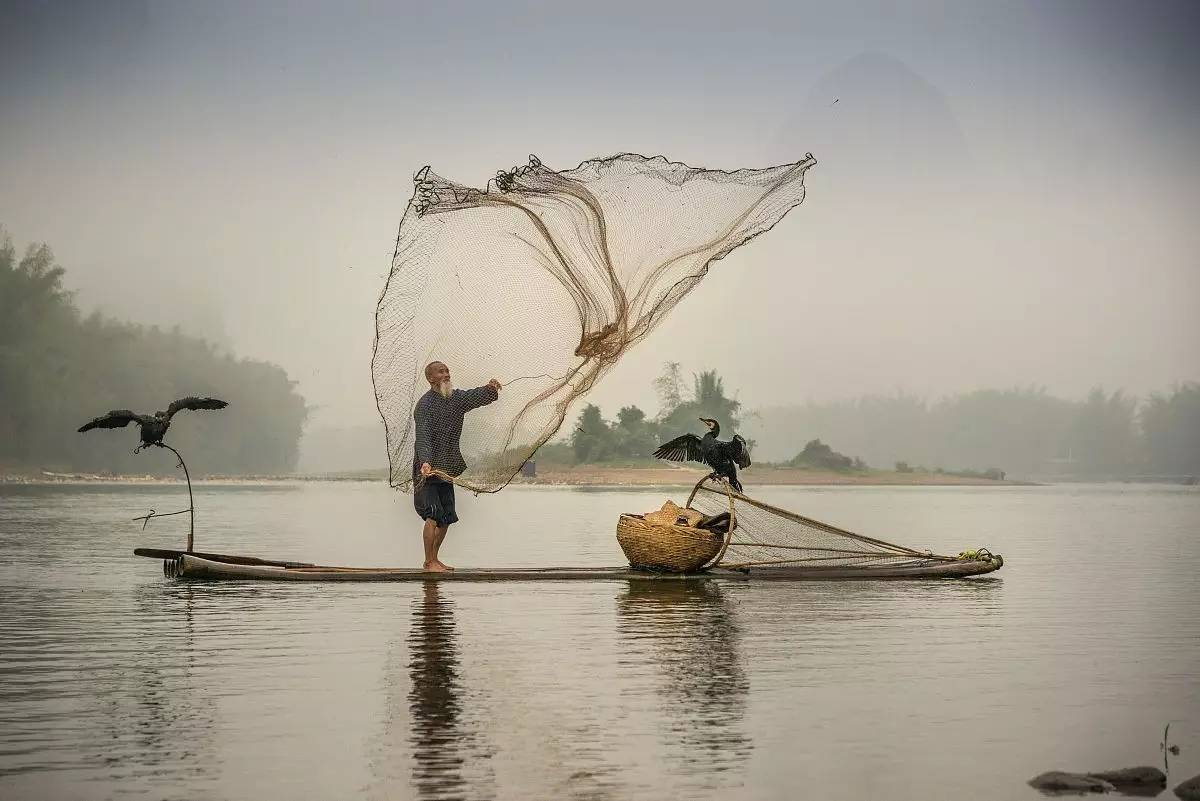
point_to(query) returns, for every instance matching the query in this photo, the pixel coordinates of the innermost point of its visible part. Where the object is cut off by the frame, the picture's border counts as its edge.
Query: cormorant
(154, 426)
(723, 457)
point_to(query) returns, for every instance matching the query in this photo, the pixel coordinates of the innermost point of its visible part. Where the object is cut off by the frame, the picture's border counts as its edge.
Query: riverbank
(581, 475)
(600, 475)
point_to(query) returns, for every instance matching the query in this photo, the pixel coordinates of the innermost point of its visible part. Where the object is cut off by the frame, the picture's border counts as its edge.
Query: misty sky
(1006, 193)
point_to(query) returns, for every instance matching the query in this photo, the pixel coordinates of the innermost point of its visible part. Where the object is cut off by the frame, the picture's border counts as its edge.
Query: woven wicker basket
(676, 549)
(656, 544)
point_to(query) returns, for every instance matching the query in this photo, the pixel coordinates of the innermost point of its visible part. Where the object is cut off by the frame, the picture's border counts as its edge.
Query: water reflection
(114, 682)
(113, 674)
(163, 695)
(429, 722)
(437, 733)
(691, 631)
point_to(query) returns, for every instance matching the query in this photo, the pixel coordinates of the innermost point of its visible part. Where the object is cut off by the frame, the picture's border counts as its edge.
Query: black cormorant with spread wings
(723, 457)
(154, 426)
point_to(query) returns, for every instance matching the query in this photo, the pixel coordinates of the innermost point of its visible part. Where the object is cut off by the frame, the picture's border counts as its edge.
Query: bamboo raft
(213, 566)
(657, 550)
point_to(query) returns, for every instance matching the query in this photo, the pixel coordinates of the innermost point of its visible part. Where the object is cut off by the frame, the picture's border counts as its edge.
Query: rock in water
(1189, 790)
(1132, 780)
(1061, 781)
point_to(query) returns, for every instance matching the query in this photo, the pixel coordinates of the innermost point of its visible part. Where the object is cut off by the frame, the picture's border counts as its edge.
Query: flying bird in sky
(154, 426)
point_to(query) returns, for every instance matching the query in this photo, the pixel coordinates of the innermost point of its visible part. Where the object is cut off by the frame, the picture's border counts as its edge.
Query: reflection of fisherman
(439, 421)
(438, 737)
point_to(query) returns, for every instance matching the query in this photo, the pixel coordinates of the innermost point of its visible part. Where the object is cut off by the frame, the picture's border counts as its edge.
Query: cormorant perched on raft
(154, 426)
(723, 457)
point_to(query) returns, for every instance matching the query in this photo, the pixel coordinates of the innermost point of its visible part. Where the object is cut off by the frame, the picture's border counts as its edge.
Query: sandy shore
(584, 475)
(592, 475)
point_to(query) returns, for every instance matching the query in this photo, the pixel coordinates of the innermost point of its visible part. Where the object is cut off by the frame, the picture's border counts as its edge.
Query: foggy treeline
(1023, 431)
(59, 369)
(634, 436)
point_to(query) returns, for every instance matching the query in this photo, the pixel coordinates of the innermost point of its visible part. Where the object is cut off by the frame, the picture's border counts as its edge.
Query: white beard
(445, 389)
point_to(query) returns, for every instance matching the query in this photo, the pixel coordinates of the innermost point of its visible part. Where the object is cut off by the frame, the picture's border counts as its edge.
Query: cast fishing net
(767, 536)
(543, 279)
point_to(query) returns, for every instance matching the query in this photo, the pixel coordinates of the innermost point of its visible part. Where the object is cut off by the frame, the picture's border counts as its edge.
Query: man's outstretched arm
(481, 396)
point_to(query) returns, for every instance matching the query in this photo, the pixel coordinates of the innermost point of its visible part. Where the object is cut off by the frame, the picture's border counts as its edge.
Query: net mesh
(542, 280)
(765, 535)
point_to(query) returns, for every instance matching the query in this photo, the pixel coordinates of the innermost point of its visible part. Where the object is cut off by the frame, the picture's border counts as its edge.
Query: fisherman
(439, 421)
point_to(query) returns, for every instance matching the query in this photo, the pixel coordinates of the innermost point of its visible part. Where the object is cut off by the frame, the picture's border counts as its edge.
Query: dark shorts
(434, 500)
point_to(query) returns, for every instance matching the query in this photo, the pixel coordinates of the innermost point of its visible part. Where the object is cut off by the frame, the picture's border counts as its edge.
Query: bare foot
(437, 567)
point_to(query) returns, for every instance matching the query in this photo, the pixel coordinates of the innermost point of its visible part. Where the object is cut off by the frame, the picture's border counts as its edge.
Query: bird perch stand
(190, 511)
(153, 427)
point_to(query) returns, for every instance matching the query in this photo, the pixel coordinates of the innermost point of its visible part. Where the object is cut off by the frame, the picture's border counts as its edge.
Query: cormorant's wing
(194, 404)
(681, 449)
(740, 451)
(117, 418)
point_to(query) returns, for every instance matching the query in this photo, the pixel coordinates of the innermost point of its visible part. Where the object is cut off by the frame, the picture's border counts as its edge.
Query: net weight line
(820, 526)
(779, 536)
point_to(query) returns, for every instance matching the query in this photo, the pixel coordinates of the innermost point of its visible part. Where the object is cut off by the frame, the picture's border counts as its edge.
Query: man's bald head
(435, 369)
(438, 376)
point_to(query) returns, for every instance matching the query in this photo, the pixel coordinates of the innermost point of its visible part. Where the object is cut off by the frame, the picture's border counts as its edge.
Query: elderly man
(439, 421)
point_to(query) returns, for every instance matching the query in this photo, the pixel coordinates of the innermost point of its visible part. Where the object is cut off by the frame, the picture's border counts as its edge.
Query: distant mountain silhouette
(875, 124)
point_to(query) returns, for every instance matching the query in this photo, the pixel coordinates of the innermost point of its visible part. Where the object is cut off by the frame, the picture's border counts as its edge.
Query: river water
(118, 683)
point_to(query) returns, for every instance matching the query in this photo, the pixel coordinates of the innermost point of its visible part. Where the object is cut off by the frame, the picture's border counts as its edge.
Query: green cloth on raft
(982, 555)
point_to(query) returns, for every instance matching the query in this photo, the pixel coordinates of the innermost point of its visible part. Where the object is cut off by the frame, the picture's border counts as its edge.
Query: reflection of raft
(757, 541)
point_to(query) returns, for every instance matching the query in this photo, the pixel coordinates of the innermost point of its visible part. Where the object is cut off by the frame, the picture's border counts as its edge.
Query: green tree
(669, 387)
(636, 436)
(708, 400)
(630, 417)
(1171, 428)
(59, 369)
(592, 440)
(817, 454)
(1103, 435)
(1016, 430)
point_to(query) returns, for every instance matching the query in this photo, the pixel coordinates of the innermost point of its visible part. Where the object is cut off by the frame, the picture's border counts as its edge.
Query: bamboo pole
(191, 503)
